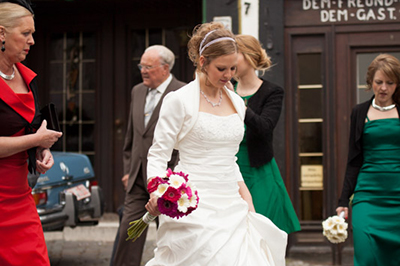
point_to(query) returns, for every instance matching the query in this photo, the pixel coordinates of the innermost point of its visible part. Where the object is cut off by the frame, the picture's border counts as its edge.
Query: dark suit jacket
(355, 156)
(139, 138)
(262, 115)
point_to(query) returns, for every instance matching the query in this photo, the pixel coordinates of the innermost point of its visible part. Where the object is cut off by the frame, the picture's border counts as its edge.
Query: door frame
(340, 45)
(316, 40)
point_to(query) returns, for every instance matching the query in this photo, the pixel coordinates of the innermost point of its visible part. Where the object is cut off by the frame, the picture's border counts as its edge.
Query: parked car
(68, 194)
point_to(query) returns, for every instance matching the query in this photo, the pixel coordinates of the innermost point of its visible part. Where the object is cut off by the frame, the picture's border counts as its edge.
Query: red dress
(21, 235)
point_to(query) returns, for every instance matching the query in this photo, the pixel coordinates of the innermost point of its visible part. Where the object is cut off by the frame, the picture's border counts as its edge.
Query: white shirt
(160, 89)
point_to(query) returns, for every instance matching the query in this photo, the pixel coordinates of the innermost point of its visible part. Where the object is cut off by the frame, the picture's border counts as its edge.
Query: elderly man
(146, 98)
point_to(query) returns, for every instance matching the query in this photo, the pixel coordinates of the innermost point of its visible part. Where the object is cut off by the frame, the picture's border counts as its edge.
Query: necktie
(150, 104)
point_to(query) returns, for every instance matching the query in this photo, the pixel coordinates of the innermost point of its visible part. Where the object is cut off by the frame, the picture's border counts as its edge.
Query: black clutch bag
(49, 113)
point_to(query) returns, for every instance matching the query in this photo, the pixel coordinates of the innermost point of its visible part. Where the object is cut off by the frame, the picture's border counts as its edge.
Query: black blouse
(262, 115)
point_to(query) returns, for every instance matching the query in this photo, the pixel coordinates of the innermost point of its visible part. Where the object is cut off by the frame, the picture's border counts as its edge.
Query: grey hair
(167, 56)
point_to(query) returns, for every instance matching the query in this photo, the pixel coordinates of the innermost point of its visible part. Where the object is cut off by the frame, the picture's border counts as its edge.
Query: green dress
(267, 189)
(376, 201)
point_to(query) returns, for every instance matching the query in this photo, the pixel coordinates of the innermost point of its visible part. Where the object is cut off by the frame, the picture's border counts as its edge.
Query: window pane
(138, 43)
(57, 46)
(311, 205)
(310, 106)
(310, 137)
(88, 76)
(309, 69)
(72, 137)
(155, 36)
(311, 160)
(72, 78)
(89, 46)
(88, 108)
(87, 137)
(136, 76)
(56, 77)
(172, 40)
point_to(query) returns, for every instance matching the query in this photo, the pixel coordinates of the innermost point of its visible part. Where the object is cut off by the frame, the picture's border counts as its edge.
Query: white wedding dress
(221, 231)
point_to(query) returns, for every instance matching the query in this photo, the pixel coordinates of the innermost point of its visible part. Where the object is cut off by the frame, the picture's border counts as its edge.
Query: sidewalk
(101, 237)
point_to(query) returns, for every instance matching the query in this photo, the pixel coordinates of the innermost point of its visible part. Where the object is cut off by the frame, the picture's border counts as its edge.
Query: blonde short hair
(10, 13)
(389, 65)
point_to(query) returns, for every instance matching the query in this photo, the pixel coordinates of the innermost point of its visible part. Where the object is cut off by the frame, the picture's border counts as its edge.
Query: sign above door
(323, 12)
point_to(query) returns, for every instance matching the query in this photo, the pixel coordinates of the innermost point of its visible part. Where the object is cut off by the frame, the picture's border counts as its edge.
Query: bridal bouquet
(335, 228)
(177, 197)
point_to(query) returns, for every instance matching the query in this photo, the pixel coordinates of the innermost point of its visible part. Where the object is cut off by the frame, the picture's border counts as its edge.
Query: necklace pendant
(210, 102)
(384, 108)
(8, 77)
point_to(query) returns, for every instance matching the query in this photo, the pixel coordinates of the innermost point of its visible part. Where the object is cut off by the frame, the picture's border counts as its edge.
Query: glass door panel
(310, 133)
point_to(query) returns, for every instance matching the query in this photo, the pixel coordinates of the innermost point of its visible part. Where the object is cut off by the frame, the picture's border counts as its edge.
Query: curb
(105, 231)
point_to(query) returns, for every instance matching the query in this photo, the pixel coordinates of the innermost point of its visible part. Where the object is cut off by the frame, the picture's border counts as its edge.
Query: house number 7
(247, 4)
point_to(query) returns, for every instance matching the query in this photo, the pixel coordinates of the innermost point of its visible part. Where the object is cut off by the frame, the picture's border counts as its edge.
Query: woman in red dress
(24, 141)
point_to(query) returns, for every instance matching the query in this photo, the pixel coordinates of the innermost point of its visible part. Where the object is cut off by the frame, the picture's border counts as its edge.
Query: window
(143, 38)
(73, 89)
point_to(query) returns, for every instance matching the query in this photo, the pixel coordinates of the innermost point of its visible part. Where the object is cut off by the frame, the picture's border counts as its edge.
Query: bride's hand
(152, 206)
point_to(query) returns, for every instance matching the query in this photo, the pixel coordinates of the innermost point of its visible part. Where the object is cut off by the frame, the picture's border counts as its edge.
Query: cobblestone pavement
(97, 253)
(92, 246)
(84, 253)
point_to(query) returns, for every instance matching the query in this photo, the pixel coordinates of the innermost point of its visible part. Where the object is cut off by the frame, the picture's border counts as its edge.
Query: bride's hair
(200, 43)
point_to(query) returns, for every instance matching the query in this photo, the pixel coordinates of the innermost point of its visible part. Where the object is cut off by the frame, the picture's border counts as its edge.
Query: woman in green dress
(263, 101)
(373, 168)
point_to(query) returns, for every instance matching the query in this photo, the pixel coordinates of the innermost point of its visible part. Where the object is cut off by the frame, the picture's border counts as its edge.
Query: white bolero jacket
(178, 114)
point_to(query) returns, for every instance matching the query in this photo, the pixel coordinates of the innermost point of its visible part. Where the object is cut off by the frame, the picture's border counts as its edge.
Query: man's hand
(124, 181)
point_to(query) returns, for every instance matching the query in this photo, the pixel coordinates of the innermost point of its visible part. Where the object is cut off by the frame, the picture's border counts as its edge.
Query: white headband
(201, 48)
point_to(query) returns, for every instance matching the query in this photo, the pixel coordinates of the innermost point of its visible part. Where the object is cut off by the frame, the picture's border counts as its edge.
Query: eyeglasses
(147, 68)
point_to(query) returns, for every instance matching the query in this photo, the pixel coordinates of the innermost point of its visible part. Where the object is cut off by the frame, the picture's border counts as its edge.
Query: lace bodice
(218, 129)
(213, 141)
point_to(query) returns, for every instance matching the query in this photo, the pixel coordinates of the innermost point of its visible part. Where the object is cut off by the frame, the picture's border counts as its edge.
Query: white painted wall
(249, 14)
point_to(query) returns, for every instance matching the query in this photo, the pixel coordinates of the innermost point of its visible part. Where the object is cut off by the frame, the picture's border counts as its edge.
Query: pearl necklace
(7, 77)
(383, 109)
(210, 102)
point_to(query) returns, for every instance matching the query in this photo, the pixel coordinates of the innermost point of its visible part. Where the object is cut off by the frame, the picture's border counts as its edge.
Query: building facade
(86, 58)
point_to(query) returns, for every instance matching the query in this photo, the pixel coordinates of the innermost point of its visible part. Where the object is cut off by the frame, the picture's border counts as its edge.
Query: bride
(204, 121)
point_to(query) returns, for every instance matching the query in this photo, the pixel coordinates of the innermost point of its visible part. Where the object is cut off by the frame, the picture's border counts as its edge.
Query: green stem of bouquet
(137, 227)
(136, 230)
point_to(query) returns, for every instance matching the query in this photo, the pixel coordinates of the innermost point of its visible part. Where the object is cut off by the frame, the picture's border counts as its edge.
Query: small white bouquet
(335, 228)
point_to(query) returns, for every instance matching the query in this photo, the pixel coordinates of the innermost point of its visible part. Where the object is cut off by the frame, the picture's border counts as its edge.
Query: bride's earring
(3, 48)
